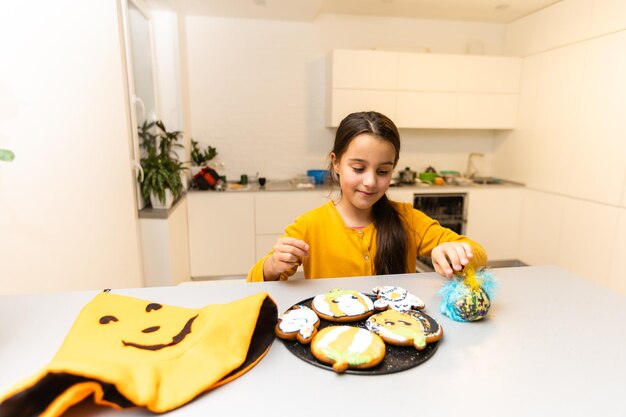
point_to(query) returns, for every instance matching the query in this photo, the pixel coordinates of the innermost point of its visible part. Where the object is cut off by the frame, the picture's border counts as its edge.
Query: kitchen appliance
(407, 176)
(449, 209)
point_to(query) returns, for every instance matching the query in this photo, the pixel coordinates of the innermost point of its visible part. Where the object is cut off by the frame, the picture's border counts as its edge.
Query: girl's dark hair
(391, 241)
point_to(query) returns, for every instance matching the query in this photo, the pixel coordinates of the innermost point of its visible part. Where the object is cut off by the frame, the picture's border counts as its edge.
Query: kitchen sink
(486, 180)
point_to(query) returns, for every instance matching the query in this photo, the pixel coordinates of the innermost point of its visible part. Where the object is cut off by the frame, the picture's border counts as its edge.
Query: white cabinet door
(165, 247)
(344, 102)
(489, 74)
(401, 195)
(426, 110)
(493, 220)
(362, 69)
(221, 233)
(486, 111)
(426, 90)
(428, 72)
(274, 211)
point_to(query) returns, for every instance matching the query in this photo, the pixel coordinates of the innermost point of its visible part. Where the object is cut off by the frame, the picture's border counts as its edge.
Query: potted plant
(6, 155)
(161, 182)
(200, 157)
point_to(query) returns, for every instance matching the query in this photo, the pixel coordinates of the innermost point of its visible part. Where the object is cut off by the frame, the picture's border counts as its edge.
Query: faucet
(471, 170)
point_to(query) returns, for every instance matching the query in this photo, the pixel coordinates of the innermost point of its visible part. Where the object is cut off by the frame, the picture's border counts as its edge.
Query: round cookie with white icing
(299, 322)
(404, 328)
(342, 305)
(346, 347)
(396, 298)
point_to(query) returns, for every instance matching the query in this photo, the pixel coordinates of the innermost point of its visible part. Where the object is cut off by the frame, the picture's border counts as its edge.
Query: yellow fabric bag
(130, 352)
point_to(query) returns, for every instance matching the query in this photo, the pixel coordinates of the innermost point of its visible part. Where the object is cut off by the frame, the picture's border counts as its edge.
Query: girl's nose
(369, 178)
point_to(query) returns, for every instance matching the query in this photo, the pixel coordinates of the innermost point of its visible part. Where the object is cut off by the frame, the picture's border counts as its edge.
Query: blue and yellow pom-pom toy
(468, 297)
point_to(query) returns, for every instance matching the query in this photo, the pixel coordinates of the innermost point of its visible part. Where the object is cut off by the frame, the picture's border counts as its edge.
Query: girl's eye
(358, 170)
(383, 173)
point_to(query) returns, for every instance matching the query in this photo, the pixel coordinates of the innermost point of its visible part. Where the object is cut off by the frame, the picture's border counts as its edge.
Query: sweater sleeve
(429, 234)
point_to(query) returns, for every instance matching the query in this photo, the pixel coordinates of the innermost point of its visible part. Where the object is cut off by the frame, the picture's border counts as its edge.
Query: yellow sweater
(336, 250)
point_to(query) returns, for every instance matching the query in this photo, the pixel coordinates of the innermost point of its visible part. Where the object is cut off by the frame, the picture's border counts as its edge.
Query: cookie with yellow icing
(299, 322)
(342, 305)
(404, 328)
(346, 347)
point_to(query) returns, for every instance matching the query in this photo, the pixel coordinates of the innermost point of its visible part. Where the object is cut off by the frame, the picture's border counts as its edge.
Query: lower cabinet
(165, 245)
(493, 220)
(273, 211)
(221, 233)
(229, 232)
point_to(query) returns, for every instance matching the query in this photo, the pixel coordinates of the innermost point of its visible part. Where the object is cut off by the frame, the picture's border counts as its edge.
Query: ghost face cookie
(299, 322)
(342, 305)
(396, 298)
(346, 347)
(404, 328)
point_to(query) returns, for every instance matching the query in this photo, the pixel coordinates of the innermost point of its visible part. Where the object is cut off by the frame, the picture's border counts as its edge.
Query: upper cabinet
(420, 90)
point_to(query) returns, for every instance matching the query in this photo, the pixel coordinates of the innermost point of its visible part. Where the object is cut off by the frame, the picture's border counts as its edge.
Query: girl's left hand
(450, 257)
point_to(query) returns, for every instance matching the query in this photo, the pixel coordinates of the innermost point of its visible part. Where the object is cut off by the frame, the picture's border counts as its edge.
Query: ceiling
(494, 11)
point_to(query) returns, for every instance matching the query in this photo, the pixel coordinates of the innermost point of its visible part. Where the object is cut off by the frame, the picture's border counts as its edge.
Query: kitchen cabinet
(165, 245)
(363, 69)
(344, 102)
(273, 211)
(419, 90)
(221, 233)
(493, 220)
(229, 232)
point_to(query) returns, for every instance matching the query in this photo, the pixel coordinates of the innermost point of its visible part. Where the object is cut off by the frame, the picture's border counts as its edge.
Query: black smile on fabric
(175, 340)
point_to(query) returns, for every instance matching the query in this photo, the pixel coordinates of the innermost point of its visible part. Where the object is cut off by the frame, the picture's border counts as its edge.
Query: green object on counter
(6, 155)
(428, 176)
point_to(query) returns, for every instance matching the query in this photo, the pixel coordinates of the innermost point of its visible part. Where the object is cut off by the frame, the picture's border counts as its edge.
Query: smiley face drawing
(186, 330)
(123, 352)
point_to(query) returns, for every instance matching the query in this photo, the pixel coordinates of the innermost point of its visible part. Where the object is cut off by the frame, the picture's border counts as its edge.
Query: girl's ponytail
(390, 240)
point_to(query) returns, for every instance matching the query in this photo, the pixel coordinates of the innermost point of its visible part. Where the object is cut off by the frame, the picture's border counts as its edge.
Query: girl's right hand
(287, 253)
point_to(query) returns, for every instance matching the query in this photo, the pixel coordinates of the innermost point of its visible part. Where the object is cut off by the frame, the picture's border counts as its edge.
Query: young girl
(363, 232)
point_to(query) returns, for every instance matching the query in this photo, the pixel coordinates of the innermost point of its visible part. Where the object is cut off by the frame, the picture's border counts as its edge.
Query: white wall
(67, 209)
(257, 88)
(570, 147)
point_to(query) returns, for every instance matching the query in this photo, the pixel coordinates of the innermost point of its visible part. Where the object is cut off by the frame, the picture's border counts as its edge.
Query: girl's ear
(334, 161)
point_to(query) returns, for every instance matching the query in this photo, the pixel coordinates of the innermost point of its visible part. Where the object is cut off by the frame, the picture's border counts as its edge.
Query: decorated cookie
(346, 347)
(404, 328)
(342, 305)
(396, 298)
(468, 297)
(299, 322)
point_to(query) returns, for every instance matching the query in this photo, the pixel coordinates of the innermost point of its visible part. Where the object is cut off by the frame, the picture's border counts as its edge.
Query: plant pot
(157, 204)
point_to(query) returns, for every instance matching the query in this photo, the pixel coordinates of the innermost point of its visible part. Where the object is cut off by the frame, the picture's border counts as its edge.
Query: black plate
(397, 358)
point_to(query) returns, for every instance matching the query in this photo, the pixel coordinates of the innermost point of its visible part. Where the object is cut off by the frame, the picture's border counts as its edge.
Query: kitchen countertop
(286, 185)
(553, 344)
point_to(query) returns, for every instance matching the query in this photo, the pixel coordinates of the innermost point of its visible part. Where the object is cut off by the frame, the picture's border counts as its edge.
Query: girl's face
(365, 170)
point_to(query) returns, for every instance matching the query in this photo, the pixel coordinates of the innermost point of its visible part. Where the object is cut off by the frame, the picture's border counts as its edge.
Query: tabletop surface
(553, 344)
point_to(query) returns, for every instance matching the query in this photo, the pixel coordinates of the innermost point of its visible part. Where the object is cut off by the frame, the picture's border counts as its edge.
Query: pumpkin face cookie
(299, 322)
(342, 305)
(403, 328)
(396, 298)
(348, 347)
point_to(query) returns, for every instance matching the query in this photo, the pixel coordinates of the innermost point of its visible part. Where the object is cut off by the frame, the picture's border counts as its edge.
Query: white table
(554, 344)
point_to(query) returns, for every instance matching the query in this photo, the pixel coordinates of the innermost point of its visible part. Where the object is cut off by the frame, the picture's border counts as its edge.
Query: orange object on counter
(439, 181)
